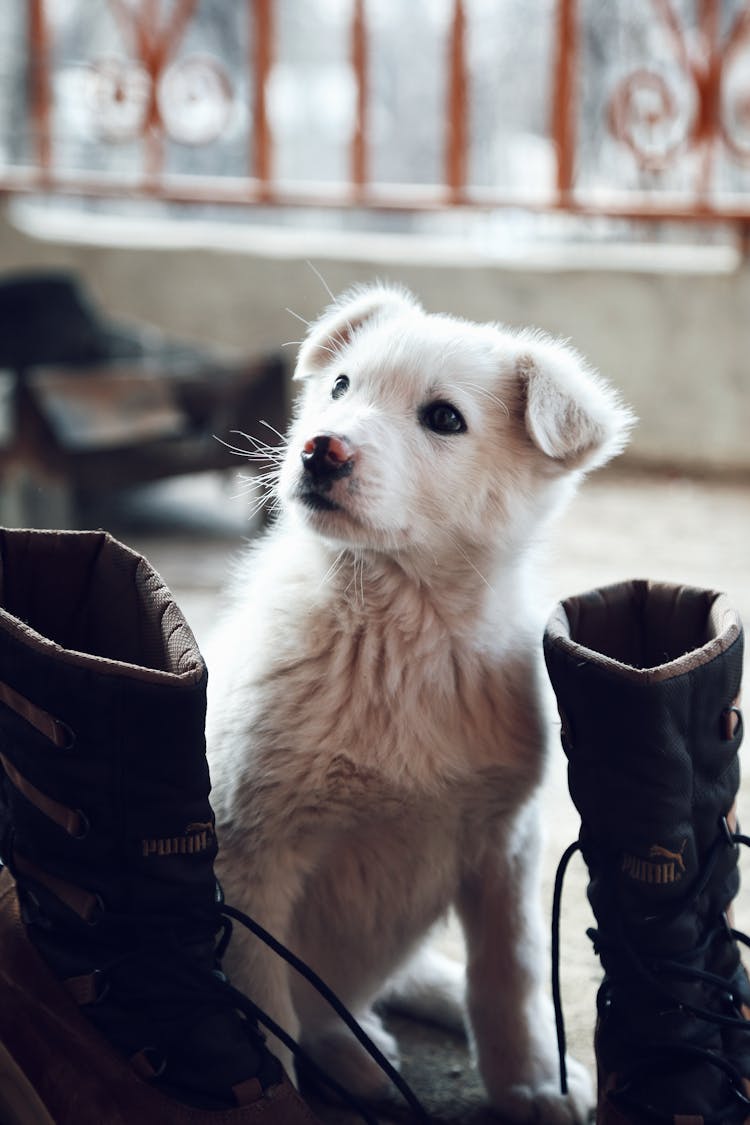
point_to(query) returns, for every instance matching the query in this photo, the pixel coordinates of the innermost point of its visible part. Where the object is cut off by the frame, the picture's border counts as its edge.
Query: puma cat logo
(663, 865)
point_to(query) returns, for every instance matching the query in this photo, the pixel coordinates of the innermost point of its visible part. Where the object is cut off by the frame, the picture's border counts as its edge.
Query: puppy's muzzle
(326, 458)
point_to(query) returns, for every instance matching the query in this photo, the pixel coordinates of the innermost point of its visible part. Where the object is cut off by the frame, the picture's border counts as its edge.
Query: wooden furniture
(88, 405)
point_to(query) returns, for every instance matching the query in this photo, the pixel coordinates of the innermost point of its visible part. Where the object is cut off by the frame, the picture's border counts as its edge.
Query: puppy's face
(424, 432)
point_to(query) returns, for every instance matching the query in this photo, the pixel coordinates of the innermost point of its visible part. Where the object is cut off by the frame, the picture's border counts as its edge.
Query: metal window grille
(642, 106)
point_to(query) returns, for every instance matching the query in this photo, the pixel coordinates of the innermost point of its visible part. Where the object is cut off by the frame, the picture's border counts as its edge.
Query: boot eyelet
(99, 910)
(101, 985)
(727, 831)
(154, 1060)
(66, 735)
(731, 724)
(566, 732)
(31, 910)
(84, 826)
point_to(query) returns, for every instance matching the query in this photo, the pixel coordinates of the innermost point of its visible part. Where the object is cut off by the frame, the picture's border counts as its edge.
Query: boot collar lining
(622, 626)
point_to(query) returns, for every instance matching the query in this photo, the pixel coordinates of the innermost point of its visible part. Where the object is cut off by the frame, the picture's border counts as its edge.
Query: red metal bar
(705, 68)
(153, 45)
(635, 206)
(709, 104)
(160, 45)
(39, 86)
(153, 52)
(457, 115)
(739, 32)
(671, 21)
(563, 125)
(359, 66)
(261, 63)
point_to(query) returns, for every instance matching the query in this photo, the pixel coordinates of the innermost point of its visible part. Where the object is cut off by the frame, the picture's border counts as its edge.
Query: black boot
(107, 830)
(647, 679)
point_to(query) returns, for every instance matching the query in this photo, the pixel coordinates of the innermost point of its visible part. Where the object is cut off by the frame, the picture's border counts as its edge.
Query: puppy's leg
(340, 930)
(335, 1048)
(511, 1017)
(431, 986)
(264, 882)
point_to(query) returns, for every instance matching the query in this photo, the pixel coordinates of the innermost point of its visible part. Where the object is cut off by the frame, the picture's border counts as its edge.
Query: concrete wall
(670, 327)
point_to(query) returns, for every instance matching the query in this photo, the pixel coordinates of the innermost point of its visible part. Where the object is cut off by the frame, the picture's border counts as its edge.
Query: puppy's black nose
(326, 457)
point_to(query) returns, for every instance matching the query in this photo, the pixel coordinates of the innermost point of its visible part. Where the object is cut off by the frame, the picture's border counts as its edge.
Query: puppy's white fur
(375, 730)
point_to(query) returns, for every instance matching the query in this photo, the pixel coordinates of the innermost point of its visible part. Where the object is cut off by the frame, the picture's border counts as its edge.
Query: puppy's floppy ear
(571, 414)
(336, 327)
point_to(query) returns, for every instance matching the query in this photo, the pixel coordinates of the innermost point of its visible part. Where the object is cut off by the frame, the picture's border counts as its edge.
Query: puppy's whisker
(256, 502)
(352, 585)
(488, 394)
(332, 351)
(256, 479)
(251, 478)
(259, 444)
(333, 569)
(244, 490)
(256, 505)
(320, 278)
(260, 459)
(251, 485)
(359, 564)
(264, 479)
(261, 494)
(269, 473)
(297, 316)
(232, 448)
(466, 558)
(355, 587)
(269, 454)
(273, 431)
(258, 452)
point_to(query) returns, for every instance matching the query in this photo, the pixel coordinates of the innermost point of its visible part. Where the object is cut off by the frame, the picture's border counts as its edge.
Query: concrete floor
(619, 527)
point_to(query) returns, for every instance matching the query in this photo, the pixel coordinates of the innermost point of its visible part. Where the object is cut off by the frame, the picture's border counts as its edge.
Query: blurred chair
(88, 405)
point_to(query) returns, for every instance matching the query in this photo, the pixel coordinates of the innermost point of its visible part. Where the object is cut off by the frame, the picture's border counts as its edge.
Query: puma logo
(197, 837)
(662, 866)
(199, 826)
(657, 850)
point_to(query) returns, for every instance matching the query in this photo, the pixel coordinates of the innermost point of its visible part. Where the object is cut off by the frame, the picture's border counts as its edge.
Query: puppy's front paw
(545, 1105)
(341, 1056)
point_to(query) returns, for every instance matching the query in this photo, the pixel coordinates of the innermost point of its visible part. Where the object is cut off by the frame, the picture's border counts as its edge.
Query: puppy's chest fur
(372, 701)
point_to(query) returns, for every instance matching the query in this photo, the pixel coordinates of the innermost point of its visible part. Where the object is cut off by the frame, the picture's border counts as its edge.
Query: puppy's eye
(340, 387)
(442, 418)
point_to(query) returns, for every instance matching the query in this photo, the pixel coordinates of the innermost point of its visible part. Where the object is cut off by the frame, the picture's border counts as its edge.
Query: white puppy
(375, 730)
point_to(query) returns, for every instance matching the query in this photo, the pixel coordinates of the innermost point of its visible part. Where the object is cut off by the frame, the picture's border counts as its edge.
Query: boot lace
(172, 983)
(231, 914)
(654, 975)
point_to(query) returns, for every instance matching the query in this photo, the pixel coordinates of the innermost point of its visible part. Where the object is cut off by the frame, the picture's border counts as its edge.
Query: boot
(113, 1007)
(647, 679)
